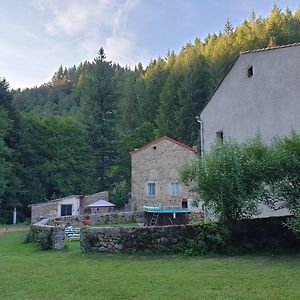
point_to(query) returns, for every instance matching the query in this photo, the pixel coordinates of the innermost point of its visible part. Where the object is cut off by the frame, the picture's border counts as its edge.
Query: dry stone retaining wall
(54, 234)
(104, 218)
(166, 239)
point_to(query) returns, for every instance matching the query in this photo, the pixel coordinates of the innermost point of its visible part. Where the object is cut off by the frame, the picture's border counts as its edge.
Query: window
(184, 203)
(175, 188)
(151, 189)
(250, 71)
(66, 210)
(220, 136)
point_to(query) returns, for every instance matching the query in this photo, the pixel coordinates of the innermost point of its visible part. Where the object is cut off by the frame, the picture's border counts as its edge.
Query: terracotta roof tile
(162, 139)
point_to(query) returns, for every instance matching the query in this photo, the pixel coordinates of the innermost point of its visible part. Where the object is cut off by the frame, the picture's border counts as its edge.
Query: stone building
(101, 206)
(259, 95)
(68, 206)
(156, 175)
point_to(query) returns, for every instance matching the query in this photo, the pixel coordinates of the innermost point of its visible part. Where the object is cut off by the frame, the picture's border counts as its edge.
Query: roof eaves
(242, 53)
(219, 84)
(271, 48)
(55, 200)
(158, 141)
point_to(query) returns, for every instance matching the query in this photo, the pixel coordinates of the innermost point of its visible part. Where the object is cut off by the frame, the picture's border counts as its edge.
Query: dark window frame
(220, 136)
(66, 210)
(250, 71)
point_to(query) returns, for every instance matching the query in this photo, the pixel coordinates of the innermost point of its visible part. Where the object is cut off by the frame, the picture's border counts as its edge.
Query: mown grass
(23, 224)
(29, 273)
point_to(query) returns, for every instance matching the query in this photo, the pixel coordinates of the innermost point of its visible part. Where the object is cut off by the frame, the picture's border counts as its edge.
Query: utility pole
(199, 120)
(15, 216)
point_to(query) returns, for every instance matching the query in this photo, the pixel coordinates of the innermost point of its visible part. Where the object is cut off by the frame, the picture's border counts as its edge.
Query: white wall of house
(74, 201)
(267, 103)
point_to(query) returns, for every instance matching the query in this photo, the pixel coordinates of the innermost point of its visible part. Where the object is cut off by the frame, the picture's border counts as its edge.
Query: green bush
(29, 238)
(229, 179)
(211, 238)
(44, 241)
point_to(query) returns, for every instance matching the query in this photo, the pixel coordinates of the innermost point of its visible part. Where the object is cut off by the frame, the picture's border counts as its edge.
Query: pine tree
(99, 102)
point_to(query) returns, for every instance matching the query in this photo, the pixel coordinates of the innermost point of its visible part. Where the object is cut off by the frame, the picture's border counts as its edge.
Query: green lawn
(29, 273)
(17, 225)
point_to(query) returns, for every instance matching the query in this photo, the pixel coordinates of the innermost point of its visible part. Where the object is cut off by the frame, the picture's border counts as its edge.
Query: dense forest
(73, 134)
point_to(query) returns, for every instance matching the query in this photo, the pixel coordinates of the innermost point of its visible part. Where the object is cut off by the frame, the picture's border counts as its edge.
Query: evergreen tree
(11, 190)
(99, 102)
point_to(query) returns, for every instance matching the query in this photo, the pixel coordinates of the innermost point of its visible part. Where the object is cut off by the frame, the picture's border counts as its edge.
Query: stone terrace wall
(55, 235)
(104, 218)
(47, 210)
(167, 239)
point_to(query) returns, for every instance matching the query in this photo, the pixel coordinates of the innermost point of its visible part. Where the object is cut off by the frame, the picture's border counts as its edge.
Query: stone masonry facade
(51, 209)
(160, 163)
(167, 239)
(55, 234)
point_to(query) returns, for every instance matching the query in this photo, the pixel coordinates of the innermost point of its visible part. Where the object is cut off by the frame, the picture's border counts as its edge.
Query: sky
(37, 36)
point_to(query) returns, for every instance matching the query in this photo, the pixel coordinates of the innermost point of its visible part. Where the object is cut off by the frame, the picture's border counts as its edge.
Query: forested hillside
(73, 134)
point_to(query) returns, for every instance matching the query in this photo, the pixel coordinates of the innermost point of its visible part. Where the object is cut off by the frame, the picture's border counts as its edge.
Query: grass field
(29, 273)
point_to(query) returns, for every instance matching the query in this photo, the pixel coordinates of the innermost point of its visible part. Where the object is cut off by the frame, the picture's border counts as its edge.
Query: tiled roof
(162, 139)
(101, 203)
(55, 200)
(271, 48)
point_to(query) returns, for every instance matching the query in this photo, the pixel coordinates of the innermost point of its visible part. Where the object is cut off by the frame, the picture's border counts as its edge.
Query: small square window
(220, 136)
(151, 189)
(250, 71)
(175, 188)
(66, 210)
(184, 204)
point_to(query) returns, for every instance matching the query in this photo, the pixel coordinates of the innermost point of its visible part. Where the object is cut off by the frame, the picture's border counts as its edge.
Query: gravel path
(14, 228)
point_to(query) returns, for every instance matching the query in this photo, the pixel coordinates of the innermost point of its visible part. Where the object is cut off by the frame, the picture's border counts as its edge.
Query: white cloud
(93, 24)
(122, 49)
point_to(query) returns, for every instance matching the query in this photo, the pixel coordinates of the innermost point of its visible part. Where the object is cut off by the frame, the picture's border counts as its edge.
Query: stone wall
(44, 210)
(167, 239)
(104, 218)
(90, 199)
(49, 237)
(52, 209)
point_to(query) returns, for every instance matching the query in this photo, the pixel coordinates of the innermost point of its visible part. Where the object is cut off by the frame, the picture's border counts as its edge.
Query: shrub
(211, 238)
(44, 241)
(29, 238)
(229, 179)
(282, 177)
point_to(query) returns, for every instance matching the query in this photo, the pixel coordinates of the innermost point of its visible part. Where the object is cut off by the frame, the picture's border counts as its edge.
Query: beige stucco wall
(160, 163)
(74, 201)
(103, 209)
(52, 209)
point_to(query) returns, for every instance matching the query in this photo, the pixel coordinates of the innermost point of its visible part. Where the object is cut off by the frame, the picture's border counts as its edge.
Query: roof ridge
(271, 48)
(161, 139)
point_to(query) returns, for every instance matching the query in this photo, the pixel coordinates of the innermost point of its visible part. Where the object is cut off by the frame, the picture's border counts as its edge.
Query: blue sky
(37, 36)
